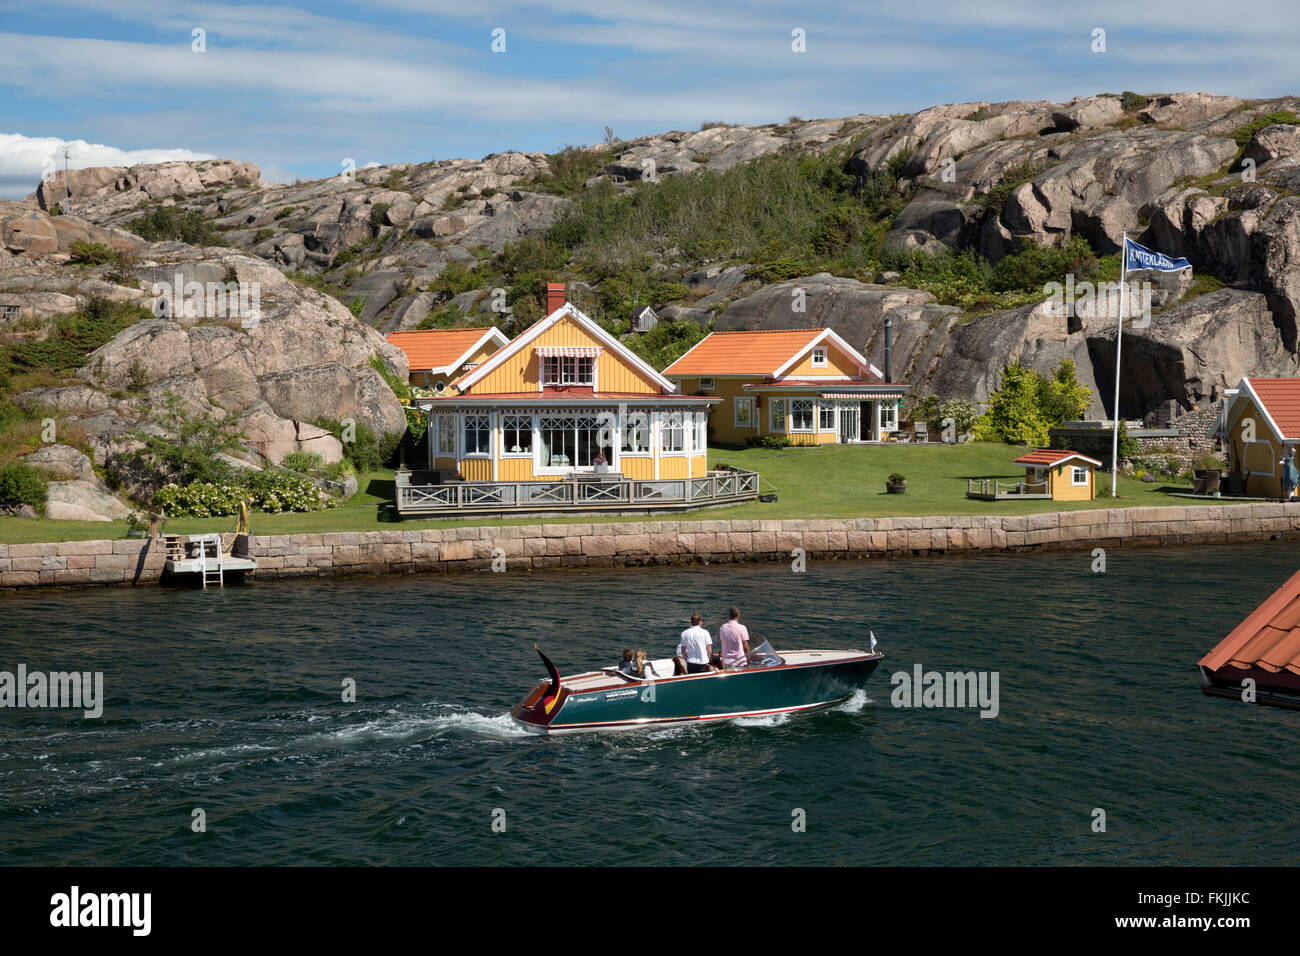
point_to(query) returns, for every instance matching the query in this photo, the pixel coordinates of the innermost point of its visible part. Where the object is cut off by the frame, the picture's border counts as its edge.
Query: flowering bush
(267, 491)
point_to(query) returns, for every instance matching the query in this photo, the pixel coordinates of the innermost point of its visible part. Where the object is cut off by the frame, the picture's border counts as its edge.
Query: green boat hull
(604, 701)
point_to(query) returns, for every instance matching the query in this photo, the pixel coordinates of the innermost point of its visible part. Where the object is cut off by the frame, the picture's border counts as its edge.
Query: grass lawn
(832, 481)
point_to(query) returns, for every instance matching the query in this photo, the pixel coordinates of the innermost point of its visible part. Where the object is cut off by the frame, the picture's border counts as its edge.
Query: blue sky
(299, 87)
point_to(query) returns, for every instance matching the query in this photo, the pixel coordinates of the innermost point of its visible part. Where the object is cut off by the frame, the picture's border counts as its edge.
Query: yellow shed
(1068, 475)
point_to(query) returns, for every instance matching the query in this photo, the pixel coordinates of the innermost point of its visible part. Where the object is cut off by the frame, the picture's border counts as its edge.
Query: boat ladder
(211, 571)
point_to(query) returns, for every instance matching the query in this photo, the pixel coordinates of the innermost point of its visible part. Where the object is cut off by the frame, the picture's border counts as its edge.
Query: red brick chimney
(554, 296)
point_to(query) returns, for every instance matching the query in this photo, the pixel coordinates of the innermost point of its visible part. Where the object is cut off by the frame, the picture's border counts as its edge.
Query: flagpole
(1119, 334)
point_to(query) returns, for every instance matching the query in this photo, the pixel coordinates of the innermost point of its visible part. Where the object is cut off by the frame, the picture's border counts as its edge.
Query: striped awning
(569, 351)
(862, 395)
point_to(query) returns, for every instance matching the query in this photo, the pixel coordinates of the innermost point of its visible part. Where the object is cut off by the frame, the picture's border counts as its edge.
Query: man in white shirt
(696, 648)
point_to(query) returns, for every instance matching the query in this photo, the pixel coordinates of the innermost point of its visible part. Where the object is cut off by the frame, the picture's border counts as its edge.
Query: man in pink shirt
(734, 638)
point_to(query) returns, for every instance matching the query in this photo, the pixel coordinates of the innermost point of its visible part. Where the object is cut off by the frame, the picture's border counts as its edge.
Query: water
(229, 701)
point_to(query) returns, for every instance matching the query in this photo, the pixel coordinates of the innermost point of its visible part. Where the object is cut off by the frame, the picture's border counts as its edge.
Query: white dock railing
(990, 489)
(582, 494)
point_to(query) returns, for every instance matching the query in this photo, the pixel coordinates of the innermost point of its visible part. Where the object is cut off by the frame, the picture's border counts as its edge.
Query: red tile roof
(435, 348)
(743, 353)
(1053, 456)
(1268, 639)
(1281, 399)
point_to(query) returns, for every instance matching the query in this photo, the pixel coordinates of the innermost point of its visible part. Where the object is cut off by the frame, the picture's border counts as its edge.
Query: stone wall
(132, 561)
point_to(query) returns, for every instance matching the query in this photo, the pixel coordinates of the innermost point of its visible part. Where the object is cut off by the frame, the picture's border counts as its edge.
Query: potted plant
(896, 484)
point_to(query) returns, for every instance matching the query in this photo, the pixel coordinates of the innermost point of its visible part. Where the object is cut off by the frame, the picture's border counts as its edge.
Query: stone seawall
(133, 561)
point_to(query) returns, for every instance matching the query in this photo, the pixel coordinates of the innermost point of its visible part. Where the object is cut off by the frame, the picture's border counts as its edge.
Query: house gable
(516, 368)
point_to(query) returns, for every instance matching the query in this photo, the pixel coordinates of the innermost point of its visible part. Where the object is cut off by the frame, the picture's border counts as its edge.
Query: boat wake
(854, 705)
(767, 720)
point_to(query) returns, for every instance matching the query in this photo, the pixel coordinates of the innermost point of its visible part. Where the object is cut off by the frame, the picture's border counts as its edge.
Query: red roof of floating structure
(1269, 639)
(1053, 456)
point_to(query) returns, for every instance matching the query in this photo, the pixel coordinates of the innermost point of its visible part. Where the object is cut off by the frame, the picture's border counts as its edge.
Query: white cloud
(24, 160)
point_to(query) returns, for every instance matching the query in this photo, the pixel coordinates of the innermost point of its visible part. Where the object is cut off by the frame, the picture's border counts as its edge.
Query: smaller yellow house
(806, 385)
(437, 356)
(1262, 429)
(1069, 476)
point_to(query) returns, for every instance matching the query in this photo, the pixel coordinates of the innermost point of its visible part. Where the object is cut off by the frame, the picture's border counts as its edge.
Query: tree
(1062, 398)
(1014, 414)
(188, 447)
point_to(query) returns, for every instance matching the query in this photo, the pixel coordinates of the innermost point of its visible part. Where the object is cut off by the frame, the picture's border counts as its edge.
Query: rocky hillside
(1209, 177)
(280, 358)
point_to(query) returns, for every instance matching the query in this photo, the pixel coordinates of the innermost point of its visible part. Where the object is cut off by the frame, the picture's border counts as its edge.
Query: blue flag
(1138, 257)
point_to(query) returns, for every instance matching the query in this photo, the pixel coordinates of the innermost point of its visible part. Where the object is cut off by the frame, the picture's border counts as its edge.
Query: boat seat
(663, 667)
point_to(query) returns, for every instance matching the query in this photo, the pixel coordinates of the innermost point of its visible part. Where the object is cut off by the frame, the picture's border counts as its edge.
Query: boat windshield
(762, 656)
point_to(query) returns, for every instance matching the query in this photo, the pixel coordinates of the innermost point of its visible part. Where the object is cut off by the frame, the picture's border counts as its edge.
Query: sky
(300, 88)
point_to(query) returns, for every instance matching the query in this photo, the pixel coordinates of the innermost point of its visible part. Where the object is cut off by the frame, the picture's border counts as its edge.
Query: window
(672, 433)
(447, 435)
(776, 415)
(819, 357)
(572, 441)
(706, 384)
(517, 434)
(636, 433)
(568, 370)
(1078, 476)
(9, 313)
(744, 413)
(888, 416)
(801, 414)
(826, 417)
(701, 432)
(477, 435)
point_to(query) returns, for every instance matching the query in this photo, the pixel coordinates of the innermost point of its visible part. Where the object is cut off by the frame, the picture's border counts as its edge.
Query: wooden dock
(205, 555)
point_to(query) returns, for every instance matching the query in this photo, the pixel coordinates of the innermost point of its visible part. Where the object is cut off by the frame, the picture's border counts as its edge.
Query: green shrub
(1131, 102)
(1016, 175)
(379, 214)
(366, 450)
(171, 222)
(1244, 134)
(74, 337)
(303, 461)
(90, 253)
(286, 212)
(22, 484)
(268, 491)
(768, 441)
(188, 449)
(263, 234)
(570, 168)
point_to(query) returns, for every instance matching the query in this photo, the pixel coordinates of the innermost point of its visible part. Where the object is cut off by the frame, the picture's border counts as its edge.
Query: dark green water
(230, 701)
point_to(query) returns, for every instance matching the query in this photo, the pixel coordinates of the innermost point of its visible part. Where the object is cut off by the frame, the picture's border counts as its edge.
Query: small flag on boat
(873, 641)
(1138, 257)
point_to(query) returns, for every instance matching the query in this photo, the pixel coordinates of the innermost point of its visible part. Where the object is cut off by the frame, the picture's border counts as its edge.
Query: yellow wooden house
(564, 399)
(807, 385)
(1068, 475)
(1261, 430)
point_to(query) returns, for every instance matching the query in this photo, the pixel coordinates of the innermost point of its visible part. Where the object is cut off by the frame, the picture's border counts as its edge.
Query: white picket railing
(581, 494)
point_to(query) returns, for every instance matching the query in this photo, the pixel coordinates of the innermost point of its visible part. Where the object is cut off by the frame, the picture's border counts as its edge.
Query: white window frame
(1075, 472)
(567, 370)
(646, 448)
(812, 416)
(824, 408)
(532, 435)
(747, 403)
(465, 427)
(701, 433)
(888, 415)
(448, 426)
(705, 383)
(819, 359)
(672, 424)
(776, 407)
